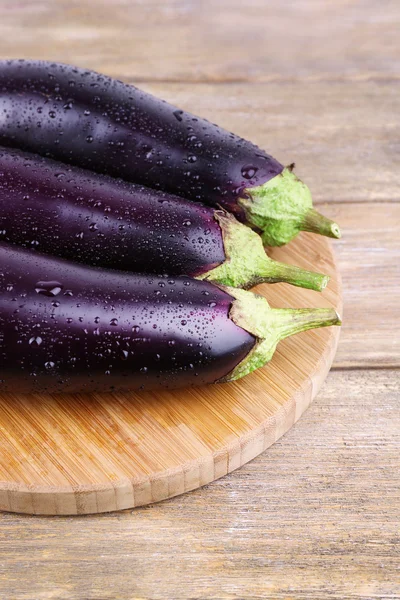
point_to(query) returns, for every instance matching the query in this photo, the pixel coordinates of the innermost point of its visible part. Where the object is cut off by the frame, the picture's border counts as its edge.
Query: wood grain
(314, 517)
(79, 454)
(203, 40)
(369, 260)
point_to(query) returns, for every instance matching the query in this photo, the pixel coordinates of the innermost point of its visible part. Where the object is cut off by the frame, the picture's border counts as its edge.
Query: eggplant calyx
(269, 326)
(282, 207)
(247, 264)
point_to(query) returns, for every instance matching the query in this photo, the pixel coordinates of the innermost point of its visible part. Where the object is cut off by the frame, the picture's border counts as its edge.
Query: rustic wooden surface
(317, 516)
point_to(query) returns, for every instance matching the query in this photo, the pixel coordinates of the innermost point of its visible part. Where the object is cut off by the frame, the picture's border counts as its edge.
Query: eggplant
(97, 220)
(65, 327)
(90, 120)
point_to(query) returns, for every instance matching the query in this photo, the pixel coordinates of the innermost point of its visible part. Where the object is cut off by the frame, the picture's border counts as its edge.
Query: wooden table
(317, 515)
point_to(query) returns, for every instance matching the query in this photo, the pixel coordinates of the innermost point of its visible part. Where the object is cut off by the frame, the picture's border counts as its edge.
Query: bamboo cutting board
(80, 454)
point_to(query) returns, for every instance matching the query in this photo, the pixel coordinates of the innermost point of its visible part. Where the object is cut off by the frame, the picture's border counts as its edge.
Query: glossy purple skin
(93, 121)
(65, 327)
(86, 217)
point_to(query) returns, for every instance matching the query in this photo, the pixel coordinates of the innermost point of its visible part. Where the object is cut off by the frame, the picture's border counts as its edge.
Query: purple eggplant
(68, 327)
(90, 120)
(95, 219)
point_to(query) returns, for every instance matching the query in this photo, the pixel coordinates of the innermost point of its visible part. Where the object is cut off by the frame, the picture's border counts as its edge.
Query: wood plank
(369, 261)
(207, 40)
(314, 517)
(343, 136)
(368, 256)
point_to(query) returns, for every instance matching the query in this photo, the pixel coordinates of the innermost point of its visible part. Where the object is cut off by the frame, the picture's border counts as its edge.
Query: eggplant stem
(280, 272)
(269, 326)
(289, 321)
(314, 222)
(247, 264)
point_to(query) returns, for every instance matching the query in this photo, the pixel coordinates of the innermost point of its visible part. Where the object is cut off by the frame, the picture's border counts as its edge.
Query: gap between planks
(365, 77)
(366, 367)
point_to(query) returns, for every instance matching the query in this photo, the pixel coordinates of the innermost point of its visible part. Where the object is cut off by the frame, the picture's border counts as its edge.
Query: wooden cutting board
(79, 454)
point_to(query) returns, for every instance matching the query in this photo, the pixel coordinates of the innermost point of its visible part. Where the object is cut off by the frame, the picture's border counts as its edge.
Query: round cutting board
(79, 454)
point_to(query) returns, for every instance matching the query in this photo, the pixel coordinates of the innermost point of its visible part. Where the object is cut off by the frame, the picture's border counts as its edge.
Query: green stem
(314, 222)
(247, 264)
(269, 326)
(289, 321)
(273, 272)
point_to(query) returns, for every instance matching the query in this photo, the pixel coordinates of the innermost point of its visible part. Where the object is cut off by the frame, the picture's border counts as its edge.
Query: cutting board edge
(129, 493)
